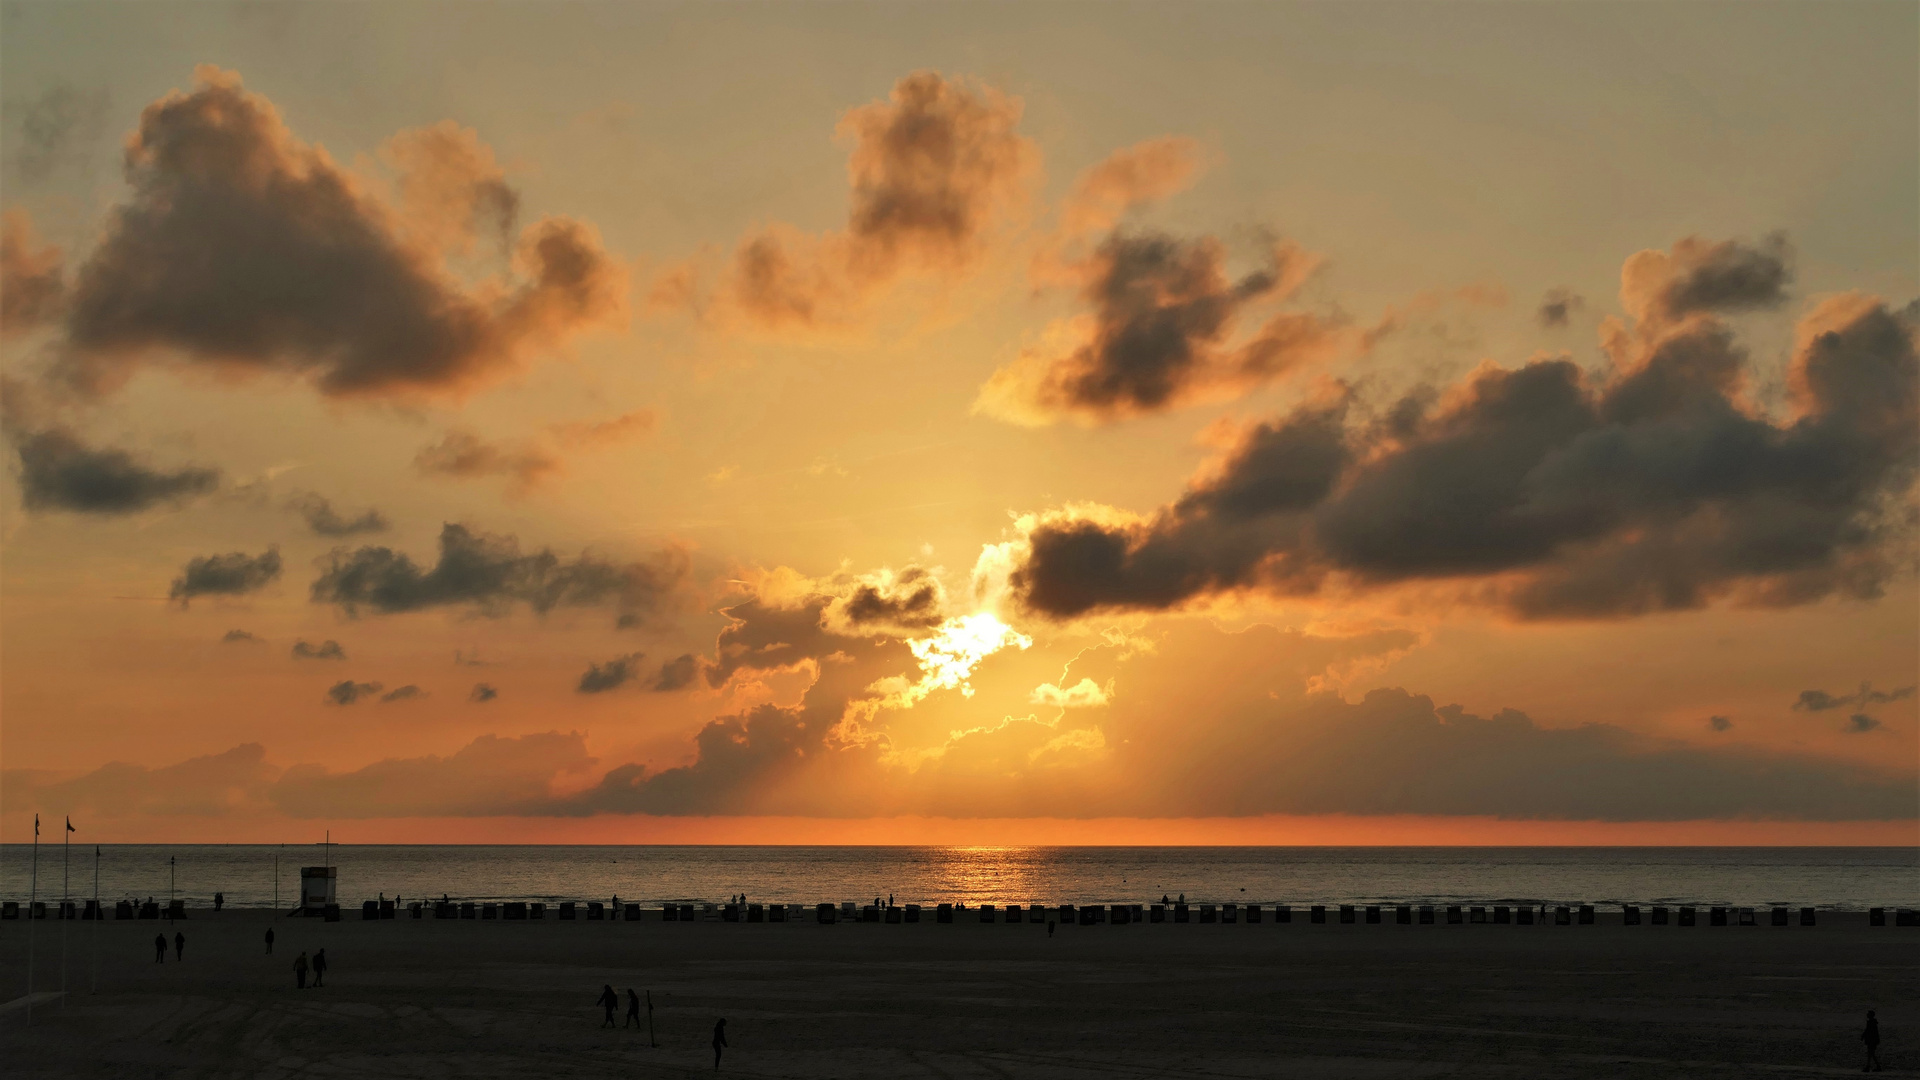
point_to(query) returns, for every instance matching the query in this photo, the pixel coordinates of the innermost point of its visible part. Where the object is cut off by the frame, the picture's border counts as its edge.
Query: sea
(1848, 878)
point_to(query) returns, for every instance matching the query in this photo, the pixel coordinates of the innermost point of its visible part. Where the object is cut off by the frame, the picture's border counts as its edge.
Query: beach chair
(596, 911)
(1877, 916)
(468, 910)
(1426, 914)
(1806, 916)
(686, 913)
(1523, 915)
(566, 911)
(1906, 917)
(986, 913)
(11, 909)
(1659, 915)
(1157, 913)
(730, 913)
(1346, 913)
(1586, 914)
(123, 910)
(1067, 915)
(1744, 917)
(847, 911)
(1502, 915)
(1403, 915)
(1181, 913)
(1476, 915)
(1253, 913)
(1282, 913)
(1122, 915)
(490, 911)
(1454, 916)
(913, 913)
(369, 911)
(630, 912)
(1373, 914)
(1089, 915)
(1561, 916)
(416, 910)
(1317, 913)
(869, 913)
(1014, 912)
(825, 914)
(943, 913)
(892, 914)
(1208, 914)
(1716, 916)
(1229, 913)
(536, 910)
(777, 913)
(516, 911)
(1779, 916)
(1630, 916)
(1686, 916)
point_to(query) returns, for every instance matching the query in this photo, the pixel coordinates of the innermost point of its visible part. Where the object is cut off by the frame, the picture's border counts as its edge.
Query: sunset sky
(961, 423)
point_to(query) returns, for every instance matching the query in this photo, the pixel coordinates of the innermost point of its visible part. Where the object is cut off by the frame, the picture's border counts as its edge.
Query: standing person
(1049, 928)
(1871, 1036)
(300, 971)
(633, 1008)
(719, 1041)
(159, 948)
(219, 900)
(320, 968)
(179, 945)
(269, 941)
(609, 1001)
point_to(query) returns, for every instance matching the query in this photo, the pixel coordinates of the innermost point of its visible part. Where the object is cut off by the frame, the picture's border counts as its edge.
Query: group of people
(319, 967)
(160, 947)
(610, 1000)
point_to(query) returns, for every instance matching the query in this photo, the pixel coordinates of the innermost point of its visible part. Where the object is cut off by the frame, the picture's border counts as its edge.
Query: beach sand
(434, 998)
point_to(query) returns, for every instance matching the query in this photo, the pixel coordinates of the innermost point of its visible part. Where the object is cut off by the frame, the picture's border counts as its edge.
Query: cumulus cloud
(1550, 491)
(402, 693)
(490, 573)
(452, 191)
(59, 471)
(489, 776)
(1143, 173)
(348, 692)
(617, 672)
(482, 693)
(932, 171)
(33, 282)
(1165, 328)
(55, 128)
(909, 599)
(243, 248)
(1821, 701)
(239, 636)
(676, 674)
(1558, 306)
(1861, 723)
(235, 573)
(326, 650)
(324, 520)
(1698, 275)
(229, 783)
(464, 456)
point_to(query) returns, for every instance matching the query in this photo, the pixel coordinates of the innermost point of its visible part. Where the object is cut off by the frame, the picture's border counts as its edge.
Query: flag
(70, 827)
(36, 824)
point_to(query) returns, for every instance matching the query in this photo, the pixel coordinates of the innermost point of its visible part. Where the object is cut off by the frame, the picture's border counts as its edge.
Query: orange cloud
(32, 280)
(1145, 172)
(243, 248)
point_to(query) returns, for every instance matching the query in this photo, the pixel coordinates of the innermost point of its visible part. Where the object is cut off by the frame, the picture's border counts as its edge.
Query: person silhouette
(179, 945)
(719, 1041)
(1871, 1036)
(320, 967)
(269, 941)
(633, 1008)
(1049, 928)
(300, 971)
(609, 1001)
(159, 948)
(219, 900)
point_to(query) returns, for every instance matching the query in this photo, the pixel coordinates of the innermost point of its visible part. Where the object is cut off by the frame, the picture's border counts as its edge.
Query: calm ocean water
(1843, 878)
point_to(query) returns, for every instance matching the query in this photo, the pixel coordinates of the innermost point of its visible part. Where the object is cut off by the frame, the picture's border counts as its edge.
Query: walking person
(609, 1001)
(719, 1041)
(1871, 1036)
(179, 946)
(269, 941)
(320, 968)
(159, 948)
(633, 1009)
(300, 972)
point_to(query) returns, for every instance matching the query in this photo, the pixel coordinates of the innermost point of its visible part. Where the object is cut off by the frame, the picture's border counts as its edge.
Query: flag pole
(66, 892)
(33, 897)
(98, 915)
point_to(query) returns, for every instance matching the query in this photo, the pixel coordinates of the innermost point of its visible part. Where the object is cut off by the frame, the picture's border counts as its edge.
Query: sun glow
(948, 656)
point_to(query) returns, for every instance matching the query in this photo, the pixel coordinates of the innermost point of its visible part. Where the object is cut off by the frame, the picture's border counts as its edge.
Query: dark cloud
(1860, 723)
(348, 692)
(489, 572)
(326, 650)
(1720, 723)
(56, 128)
(403, 693)
(768, 637)
(33, 281)
(677, 673)
(60, 472)
(1165, 329)
(482, 692)
(324, 520)
(1556, 494)
(243, 248)
(1703, 276)
(1821, 701)
(932, 170)
(1558, 306)
(230, 783)
(235, 573)
(464, 456)
(912, 599)
(236, 636)
(617, 672)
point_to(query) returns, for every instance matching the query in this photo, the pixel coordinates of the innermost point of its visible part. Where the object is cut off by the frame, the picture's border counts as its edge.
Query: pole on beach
(650, 1039)
(33, 897)
(66, 891)
(169, 888)
(98, 915)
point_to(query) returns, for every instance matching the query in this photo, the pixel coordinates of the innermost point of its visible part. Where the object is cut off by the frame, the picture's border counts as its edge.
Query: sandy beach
(431, 998)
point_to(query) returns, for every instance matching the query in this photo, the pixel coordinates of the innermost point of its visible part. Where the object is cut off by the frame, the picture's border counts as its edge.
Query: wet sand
(483, 999)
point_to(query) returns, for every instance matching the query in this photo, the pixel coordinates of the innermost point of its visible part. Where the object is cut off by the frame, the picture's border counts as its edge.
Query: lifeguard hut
(316, 888)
